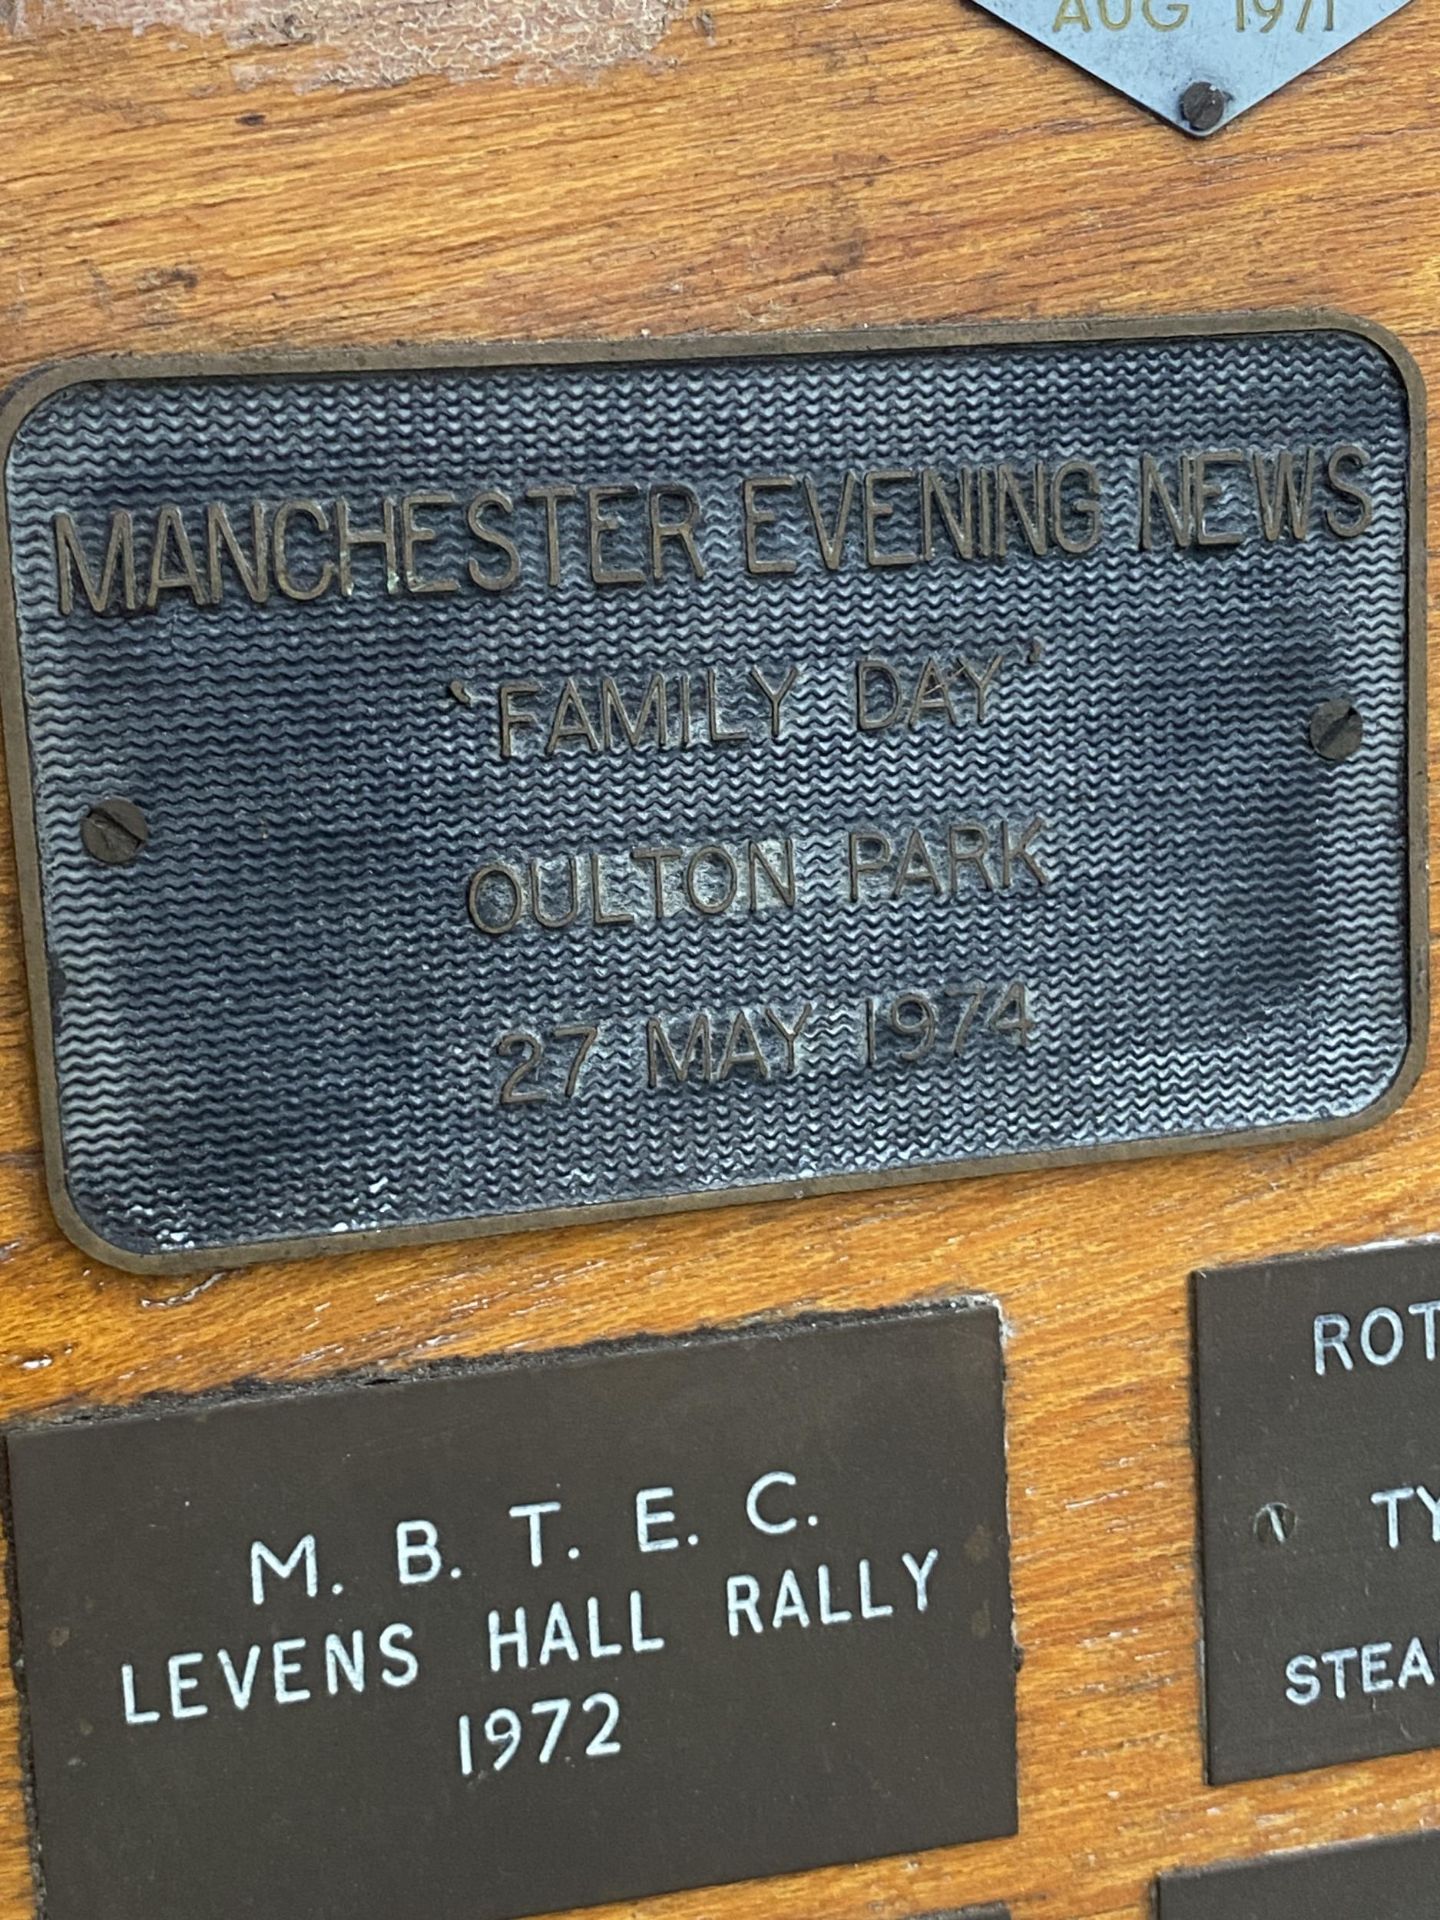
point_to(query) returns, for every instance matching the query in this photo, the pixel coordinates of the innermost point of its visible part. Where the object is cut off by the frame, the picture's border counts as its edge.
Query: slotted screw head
(114, 832)
(1337, 729)
(1202, 106)
(1274, 1524)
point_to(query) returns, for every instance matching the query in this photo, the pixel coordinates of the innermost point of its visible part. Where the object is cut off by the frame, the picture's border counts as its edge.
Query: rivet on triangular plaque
(1197, 63)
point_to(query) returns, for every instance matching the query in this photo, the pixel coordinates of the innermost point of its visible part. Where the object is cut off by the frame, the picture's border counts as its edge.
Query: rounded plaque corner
(92, 1242)
(26, 394)
(1389, 1101)
(1394, 349)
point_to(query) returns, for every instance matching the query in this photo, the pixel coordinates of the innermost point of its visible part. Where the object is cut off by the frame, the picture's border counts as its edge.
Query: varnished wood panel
(775, 163)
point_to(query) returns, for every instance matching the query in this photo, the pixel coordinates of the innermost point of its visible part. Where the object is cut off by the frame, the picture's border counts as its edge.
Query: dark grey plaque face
(1381, 1880)
(592, 781)
(578, 1629)
(1319, 1442)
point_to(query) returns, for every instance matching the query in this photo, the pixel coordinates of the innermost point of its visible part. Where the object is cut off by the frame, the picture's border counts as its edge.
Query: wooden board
(772, 164)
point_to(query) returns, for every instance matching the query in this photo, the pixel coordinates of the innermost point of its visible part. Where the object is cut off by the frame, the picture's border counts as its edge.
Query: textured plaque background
(280, 1023)
(740, 1753)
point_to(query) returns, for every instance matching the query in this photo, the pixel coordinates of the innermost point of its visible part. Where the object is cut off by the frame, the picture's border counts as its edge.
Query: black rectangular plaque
(1318, 1418)
(272, 1646)
(1377, 1880)
(511, 785)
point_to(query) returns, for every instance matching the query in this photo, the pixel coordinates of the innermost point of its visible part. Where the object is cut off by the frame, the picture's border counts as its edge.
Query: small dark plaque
(524, 1637)
(1381, 1880)
(589, 780)
(1317, 1385)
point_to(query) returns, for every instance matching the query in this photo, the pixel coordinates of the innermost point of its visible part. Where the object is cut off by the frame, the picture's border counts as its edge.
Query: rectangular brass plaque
(595, 779)
(578, 1628)
(1316, 1386)
(1378, 1880)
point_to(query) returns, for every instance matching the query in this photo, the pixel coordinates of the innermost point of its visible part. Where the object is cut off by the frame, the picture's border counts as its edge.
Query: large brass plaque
(477, 790)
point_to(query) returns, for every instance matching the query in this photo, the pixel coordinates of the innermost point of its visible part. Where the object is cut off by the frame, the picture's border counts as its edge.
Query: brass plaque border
(33, 389)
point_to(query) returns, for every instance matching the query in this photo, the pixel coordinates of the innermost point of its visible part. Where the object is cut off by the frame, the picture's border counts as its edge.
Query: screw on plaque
(1337, 729)
(114, 832)
(1274, 1524)
(1203, 106)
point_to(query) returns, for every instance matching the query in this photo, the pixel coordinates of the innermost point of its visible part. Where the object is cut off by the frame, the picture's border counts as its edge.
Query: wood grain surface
(774, 163)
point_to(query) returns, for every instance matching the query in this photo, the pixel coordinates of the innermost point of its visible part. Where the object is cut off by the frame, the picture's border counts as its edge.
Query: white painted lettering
(789, 1601)
(752, 1503)
(558, 1636)
(868, 1609)
(182, 1683)
(829, 1616)
(241, 1690)
(742, 1596)
(600, 1648)
(535, 1514)
(304, 1555)
(1426, 1310)
(417, 1553)
(1392, 1498)
(1416, 1666)
(286, 1670)
(648, 1516)
(1338, 1661)
(1303, 1688)
(135, 1718)
(639, 1643)
(348, 1662)
(1332, 1330)
(1374, 1674)
(921, 1576)
(1387, 1318)
(402, 1669)
(516, 1638)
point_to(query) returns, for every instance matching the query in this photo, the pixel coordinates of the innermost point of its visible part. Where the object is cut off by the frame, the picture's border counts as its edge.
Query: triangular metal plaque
(1197, 63)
